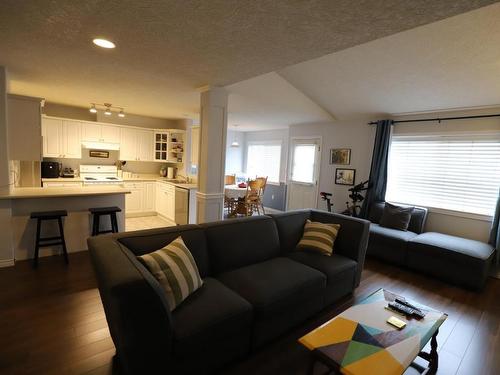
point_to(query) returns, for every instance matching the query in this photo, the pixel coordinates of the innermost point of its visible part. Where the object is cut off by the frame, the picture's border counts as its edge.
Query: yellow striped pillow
(319, 237)
(175, 268)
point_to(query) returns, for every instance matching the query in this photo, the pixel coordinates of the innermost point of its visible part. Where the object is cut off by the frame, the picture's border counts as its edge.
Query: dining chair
(253, 201)
(230, 179)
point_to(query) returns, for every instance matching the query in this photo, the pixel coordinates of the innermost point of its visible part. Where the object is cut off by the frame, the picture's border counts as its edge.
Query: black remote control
(417, 311)
(406, 310)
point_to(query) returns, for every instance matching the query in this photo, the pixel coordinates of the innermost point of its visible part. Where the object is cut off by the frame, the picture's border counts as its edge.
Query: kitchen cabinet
(136, 145)
(149, 199)
(165, 200)
(93, 132)
(24, 128)
(61, 138)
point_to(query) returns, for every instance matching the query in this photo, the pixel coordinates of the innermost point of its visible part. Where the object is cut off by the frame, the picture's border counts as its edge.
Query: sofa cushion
(319, 237)
(210, 316)
(175, 269)
(389, 244)
(290, 228)
(396, 217)
(282, 292)
(146, 241)
(240, 242)
(340, 272)
(455, 259)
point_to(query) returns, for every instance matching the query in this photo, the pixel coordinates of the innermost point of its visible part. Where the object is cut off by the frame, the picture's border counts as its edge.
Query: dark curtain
(495, 230)
(378, 171)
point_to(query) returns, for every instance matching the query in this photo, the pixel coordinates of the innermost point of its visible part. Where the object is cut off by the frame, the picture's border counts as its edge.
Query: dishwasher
(181, 206)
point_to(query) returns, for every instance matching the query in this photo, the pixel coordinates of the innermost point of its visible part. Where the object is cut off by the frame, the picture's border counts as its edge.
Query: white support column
(6, 248)
(213, 121)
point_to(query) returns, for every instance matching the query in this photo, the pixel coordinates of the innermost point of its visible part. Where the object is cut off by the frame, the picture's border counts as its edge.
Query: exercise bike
(327, 197)
(354, 208)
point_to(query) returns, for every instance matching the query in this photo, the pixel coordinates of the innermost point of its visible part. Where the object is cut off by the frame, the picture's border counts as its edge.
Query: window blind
(264, 160)
(459, 173)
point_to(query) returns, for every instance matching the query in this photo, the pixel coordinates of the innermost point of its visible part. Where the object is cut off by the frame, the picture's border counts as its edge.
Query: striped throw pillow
(319, 237)
(174, 267)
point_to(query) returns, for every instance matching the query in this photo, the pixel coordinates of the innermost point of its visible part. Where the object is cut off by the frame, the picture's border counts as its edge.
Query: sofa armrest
(136, 310)
(352, 239)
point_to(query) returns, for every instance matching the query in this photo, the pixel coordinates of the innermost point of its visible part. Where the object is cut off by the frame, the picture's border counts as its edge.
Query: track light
(121, 114)
(93, 109)
(107, 109)
(107, 112)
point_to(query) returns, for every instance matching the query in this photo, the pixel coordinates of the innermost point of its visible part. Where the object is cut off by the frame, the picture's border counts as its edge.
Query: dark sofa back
(146, 241)
(290, 228)
(417, 221)
(241, 242)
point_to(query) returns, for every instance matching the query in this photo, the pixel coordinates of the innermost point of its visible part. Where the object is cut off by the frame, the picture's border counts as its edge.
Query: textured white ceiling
(453, 63)
(165, 49)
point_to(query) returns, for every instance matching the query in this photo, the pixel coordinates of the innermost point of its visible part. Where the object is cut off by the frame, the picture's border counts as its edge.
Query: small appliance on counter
(50, 169)
(171, 172)
(68, 173)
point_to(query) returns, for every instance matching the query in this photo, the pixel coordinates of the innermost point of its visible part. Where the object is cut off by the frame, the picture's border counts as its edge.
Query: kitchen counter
(160, 179)
(62, 179)
(55, 192)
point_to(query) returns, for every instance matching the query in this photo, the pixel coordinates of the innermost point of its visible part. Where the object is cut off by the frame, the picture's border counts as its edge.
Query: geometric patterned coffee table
(360, 341)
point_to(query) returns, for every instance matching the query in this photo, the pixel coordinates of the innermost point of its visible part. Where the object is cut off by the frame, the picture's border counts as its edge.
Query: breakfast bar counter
(21, 202)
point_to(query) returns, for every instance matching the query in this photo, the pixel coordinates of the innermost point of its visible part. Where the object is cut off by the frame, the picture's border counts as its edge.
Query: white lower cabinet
(165, 200)
(149, 198)
(142, 198)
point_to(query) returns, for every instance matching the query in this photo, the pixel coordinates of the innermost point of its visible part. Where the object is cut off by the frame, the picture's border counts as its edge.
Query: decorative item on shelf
(345, 176)
(108, 107)
(340, 156)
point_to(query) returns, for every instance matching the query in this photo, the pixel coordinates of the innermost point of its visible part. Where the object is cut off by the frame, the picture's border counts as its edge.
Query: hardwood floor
(52, 322)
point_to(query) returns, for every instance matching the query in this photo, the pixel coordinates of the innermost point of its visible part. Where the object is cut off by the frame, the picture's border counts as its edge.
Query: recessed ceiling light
(104, 43)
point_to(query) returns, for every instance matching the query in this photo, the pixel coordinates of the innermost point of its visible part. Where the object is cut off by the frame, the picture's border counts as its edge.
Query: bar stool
(49, 241)
(102, 211)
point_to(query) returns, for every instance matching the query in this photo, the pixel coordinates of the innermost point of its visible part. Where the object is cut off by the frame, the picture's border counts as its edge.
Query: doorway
(304, 173)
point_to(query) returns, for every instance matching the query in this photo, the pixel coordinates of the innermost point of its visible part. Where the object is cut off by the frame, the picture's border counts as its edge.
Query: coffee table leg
(312, 362)
(433, 355)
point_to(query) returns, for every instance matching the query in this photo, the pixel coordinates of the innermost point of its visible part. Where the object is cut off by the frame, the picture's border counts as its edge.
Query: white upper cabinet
(110, 134)
(128, 144)
(72, 143)
(92, 132)
(145, 140)
(61, 138)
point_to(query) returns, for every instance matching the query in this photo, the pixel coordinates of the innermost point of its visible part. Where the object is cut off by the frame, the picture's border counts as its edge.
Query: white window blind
(459, 173)
(264, 159)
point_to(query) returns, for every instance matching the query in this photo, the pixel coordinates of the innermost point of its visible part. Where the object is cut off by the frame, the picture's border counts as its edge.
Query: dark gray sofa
(256, 287)
(391, 244)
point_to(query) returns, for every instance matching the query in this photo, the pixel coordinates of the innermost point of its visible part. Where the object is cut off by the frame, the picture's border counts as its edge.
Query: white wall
(234, 155)
(281, 135)
(357, 136)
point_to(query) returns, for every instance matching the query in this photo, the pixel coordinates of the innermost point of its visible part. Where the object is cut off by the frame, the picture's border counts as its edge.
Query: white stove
(100, 175)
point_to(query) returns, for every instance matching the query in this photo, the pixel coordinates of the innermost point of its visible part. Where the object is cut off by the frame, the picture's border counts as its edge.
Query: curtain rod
(439, 119)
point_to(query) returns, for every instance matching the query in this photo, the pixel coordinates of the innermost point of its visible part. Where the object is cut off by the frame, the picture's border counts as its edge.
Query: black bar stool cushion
(104, 210)
(49, 214)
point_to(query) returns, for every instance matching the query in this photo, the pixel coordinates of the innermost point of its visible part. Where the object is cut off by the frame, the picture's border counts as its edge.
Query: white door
(128, 144)
(72, 144)
(110, 134)
(145, 141)
(304, 173)
(52, 133)
(91, 132)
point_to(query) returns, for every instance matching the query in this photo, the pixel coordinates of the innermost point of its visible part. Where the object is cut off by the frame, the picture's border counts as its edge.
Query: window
(304, 158)
(264, 159)
(459, 173)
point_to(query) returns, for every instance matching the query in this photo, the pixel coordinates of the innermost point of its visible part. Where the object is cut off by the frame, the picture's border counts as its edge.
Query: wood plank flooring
(52, 322)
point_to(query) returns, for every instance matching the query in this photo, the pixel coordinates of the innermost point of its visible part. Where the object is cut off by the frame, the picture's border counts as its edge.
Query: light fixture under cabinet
(107, 109)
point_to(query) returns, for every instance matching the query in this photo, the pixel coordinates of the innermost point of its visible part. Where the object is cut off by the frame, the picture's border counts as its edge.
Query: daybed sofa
(256, 287)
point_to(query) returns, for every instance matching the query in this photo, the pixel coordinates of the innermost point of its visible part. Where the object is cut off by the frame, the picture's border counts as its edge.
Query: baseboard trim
(7, 263)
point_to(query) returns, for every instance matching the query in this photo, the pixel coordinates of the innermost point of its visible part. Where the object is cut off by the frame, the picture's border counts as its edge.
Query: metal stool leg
(61, 234)
(37, 243)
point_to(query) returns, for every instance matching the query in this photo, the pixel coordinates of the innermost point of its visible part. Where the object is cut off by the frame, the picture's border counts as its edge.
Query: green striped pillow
(319, 237)
(174, 267)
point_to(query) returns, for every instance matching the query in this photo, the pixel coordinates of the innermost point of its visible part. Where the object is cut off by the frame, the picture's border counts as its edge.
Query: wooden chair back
(230, 179)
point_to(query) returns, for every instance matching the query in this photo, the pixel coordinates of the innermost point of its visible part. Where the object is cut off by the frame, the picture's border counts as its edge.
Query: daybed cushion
(282, 292)
(211, 324)
(459, 260)
(396, 217)
(339, 270)
(389, 244)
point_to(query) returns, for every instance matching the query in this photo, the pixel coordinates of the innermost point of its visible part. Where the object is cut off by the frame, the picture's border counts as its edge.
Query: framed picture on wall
(340, 156)
(345, 176)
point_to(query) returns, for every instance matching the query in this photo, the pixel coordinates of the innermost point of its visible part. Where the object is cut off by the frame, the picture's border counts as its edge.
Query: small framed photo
(345, 176)
(340, 156)
(99, 154)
